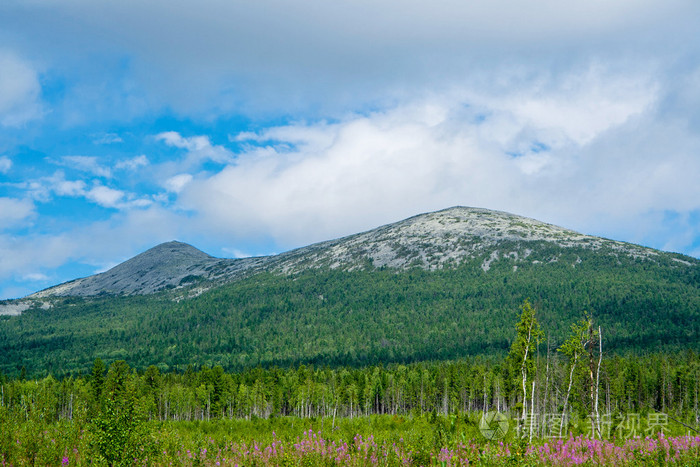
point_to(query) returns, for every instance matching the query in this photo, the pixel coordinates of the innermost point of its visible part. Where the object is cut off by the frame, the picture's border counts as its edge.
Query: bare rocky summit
(446, 238)
(165, 264)
(430, 241)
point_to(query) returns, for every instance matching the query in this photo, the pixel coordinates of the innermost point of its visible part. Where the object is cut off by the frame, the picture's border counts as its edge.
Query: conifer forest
(539, 404)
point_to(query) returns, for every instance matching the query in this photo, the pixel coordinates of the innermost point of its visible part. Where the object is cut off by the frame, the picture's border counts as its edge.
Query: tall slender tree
(573, 348)
(524, 348)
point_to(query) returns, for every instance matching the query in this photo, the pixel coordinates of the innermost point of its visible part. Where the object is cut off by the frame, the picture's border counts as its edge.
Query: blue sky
(249, 128)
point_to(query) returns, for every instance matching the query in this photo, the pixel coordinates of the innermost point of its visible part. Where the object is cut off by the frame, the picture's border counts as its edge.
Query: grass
(376, 440)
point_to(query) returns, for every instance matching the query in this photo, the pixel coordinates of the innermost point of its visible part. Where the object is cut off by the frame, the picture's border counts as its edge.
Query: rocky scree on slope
(446, 238)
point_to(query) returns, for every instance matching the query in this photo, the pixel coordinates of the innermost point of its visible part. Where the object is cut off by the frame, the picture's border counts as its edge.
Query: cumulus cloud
(46, 189)
(15, 211)
(105, 196)
(572, 107)
(198, 149)
(43, 189)
(377, 168)
(116, 199)
(20, 91)
(22, 255)
(63, 187)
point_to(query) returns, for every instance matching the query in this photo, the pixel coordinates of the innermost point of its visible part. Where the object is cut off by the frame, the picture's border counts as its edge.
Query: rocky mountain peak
(164, 266)
(170, 252)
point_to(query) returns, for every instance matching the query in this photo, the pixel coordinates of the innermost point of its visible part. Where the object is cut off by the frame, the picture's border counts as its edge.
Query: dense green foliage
(409, 413)
(122, 416)
(628, 384)
(364, 317)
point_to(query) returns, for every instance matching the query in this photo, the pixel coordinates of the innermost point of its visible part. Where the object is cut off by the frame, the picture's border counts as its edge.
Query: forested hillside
(366, 316)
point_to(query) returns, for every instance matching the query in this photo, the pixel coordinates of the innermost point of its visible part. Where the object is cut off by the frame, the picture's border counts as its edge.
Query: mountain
(165, 265)
(431, 241)
(440, 285)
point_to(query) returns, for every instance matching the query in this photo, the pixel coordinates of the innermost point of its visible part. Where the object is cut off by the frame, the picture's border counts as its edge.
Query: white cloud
(43, 189)
(99, 244)
(384, 165)
(245, 136)
(579, 114)
(14, 212)
(616, 165)
(574, 107)
(199, 149)
(46, 188)
(133, 163)
(117, 199)
(35, 277)
(89, 164)
(20, 91)
(105, 196)
(24, 255)
(173, 138)
(215, 58)
(178, 182)
(73, 188)
(5, 164)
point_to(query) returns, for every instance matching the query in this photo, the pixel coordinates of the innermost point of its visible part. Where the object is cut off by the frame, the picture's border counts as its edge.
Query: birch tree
(523, 349)
(574, 348)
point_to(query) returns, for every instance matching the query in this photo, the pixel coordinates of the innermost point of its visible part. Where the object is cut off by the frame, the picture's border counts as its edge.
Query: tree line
(659, 382)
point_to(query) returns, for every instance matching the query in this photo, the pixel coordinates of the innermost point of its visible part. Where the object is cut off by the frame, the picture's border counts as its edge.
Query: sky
(251, 128)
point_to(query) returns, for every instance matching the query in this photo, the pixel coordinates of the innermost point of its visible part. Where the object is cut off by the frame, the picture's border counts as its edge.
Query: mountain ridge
(436, 286)
(432, 240)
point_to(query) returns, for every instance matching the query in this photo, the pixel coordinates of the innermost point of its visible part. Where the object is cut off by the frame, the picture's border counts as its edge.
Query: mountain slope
(429, 241)
(436, 286)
